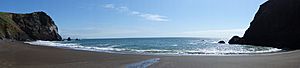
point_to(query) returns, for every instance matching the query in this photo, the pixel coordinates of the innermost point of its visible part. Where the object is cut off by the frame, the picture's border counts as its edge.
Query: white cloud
(147, 16)
(123, 8)
(110, 6)
(135, 13)
(154, 17)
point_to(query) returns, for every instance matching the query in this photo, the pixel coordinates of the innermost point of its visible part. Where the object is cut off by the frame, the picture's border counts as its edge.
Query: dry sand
(19, 55)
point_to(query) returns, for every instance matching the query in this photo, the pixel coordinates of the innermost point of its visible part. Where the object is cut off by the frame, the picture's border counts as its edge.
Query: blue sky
(143, 18)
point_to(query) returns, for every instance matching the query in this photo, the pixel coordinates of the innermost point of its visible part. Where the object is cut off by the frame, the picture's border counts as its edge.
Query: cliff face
(276, 24)
(32, 26)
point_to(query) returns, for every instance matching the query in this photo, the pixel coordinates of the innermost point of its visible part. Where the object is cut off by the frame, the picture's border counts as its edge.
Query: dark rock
(31, 26)
(69, 39)
(276, 24)
(221, 42)
(236, 40)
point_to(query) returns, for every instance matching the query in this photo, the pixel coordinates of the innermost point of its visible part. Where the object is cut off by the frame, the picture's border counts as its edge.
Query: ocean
(159, 46)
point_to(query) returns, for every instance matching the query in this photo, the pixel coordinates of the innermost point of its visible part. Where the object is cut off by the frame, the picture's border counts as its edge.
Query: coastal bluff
(276, 24)
(29, 26)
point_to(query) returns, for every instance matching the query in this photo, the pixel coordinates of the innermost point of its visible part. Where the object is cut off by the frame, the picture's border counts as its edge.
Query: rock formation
(276, 24)
(31, 26)
(69, 39)
(221, 42)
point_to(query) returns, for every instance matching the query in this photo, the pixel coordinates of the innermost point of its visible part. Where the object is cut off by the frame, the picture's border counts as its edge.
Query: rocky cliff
(31, 26)
(276, 24)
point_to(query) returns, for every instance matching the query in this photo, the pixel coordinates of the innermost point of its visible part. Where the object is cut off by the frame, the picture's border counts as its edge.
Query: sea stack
(30, 26)
(276, 24)
(69, 39)
(221, 42)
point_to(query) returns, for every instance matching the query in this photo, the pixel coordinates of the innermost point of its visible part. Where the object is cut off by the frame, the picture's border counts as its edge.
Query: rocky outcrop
(31, 26)
(276, 24)
(236, 40)
(221, 42)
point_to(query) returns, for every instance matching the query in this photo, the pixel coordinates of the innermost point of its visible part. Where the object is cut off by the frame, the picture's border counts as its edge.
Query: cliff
(31, 26)
(276, 24)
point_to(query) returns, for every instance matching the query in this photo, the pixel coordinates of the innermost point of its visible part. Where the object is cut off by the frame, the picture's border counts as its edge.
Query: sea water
(159, 46)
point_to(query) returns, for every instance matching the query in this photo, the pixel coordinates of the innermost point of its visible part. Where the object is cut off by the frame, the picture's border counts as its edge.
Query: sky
(143, 18)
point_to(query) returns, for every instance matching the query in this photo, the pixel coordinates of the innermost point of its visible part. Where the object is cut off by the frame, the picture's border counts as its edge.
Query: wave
(74, 46)
(208, 51)
(116, 49)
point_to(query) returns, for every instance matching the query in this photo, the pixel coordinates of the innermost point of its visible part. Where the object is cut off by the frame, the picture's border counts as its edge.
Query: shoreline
(123, 51)
(20, 55)
(289, 59)
(144, 54)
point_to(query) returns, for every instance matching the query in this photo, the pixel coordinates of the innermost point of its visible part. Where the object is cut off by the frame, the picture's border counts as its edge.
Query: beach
(286, 60)
(150, 34)
(16, 54)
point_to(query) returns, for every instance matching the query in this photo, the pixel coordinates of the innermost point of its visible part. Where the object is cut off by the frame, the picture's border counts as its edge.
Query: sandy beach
(285, 60)
(19, 55)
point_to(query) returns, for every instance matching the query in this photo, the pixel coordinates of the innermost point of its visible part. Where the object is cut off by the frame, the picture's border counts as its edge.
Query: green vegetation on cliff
(8, 28)
(33, 26)
(3, 13)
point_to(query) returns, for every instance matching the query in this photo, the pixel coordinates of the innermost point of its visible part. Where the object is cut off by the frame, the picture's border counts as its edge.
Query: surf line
(143, 64)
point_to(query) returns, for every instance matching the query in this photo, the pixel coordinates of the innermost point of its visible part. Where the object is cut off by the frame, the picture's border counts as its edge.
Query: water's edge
(120, 51)
(143, 64)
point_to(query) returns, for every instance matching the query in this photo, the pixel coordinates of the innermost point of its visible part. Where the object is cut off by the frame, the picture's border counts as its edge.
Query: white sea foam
(48, 43)
(193, 43)
(112, 46)
(215, 51)
(153, 50)
(74, 46)
(228, 49)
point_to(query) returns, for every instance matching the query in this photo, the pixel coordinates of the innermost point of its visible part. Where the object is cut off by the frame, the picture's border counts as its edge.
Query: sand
(19, 55)
(285, 60)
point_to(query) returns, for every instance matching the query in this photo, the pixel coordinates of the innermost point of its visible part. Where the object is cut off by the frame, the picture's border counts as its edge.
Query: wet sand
(19, 55)
(285, 60)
